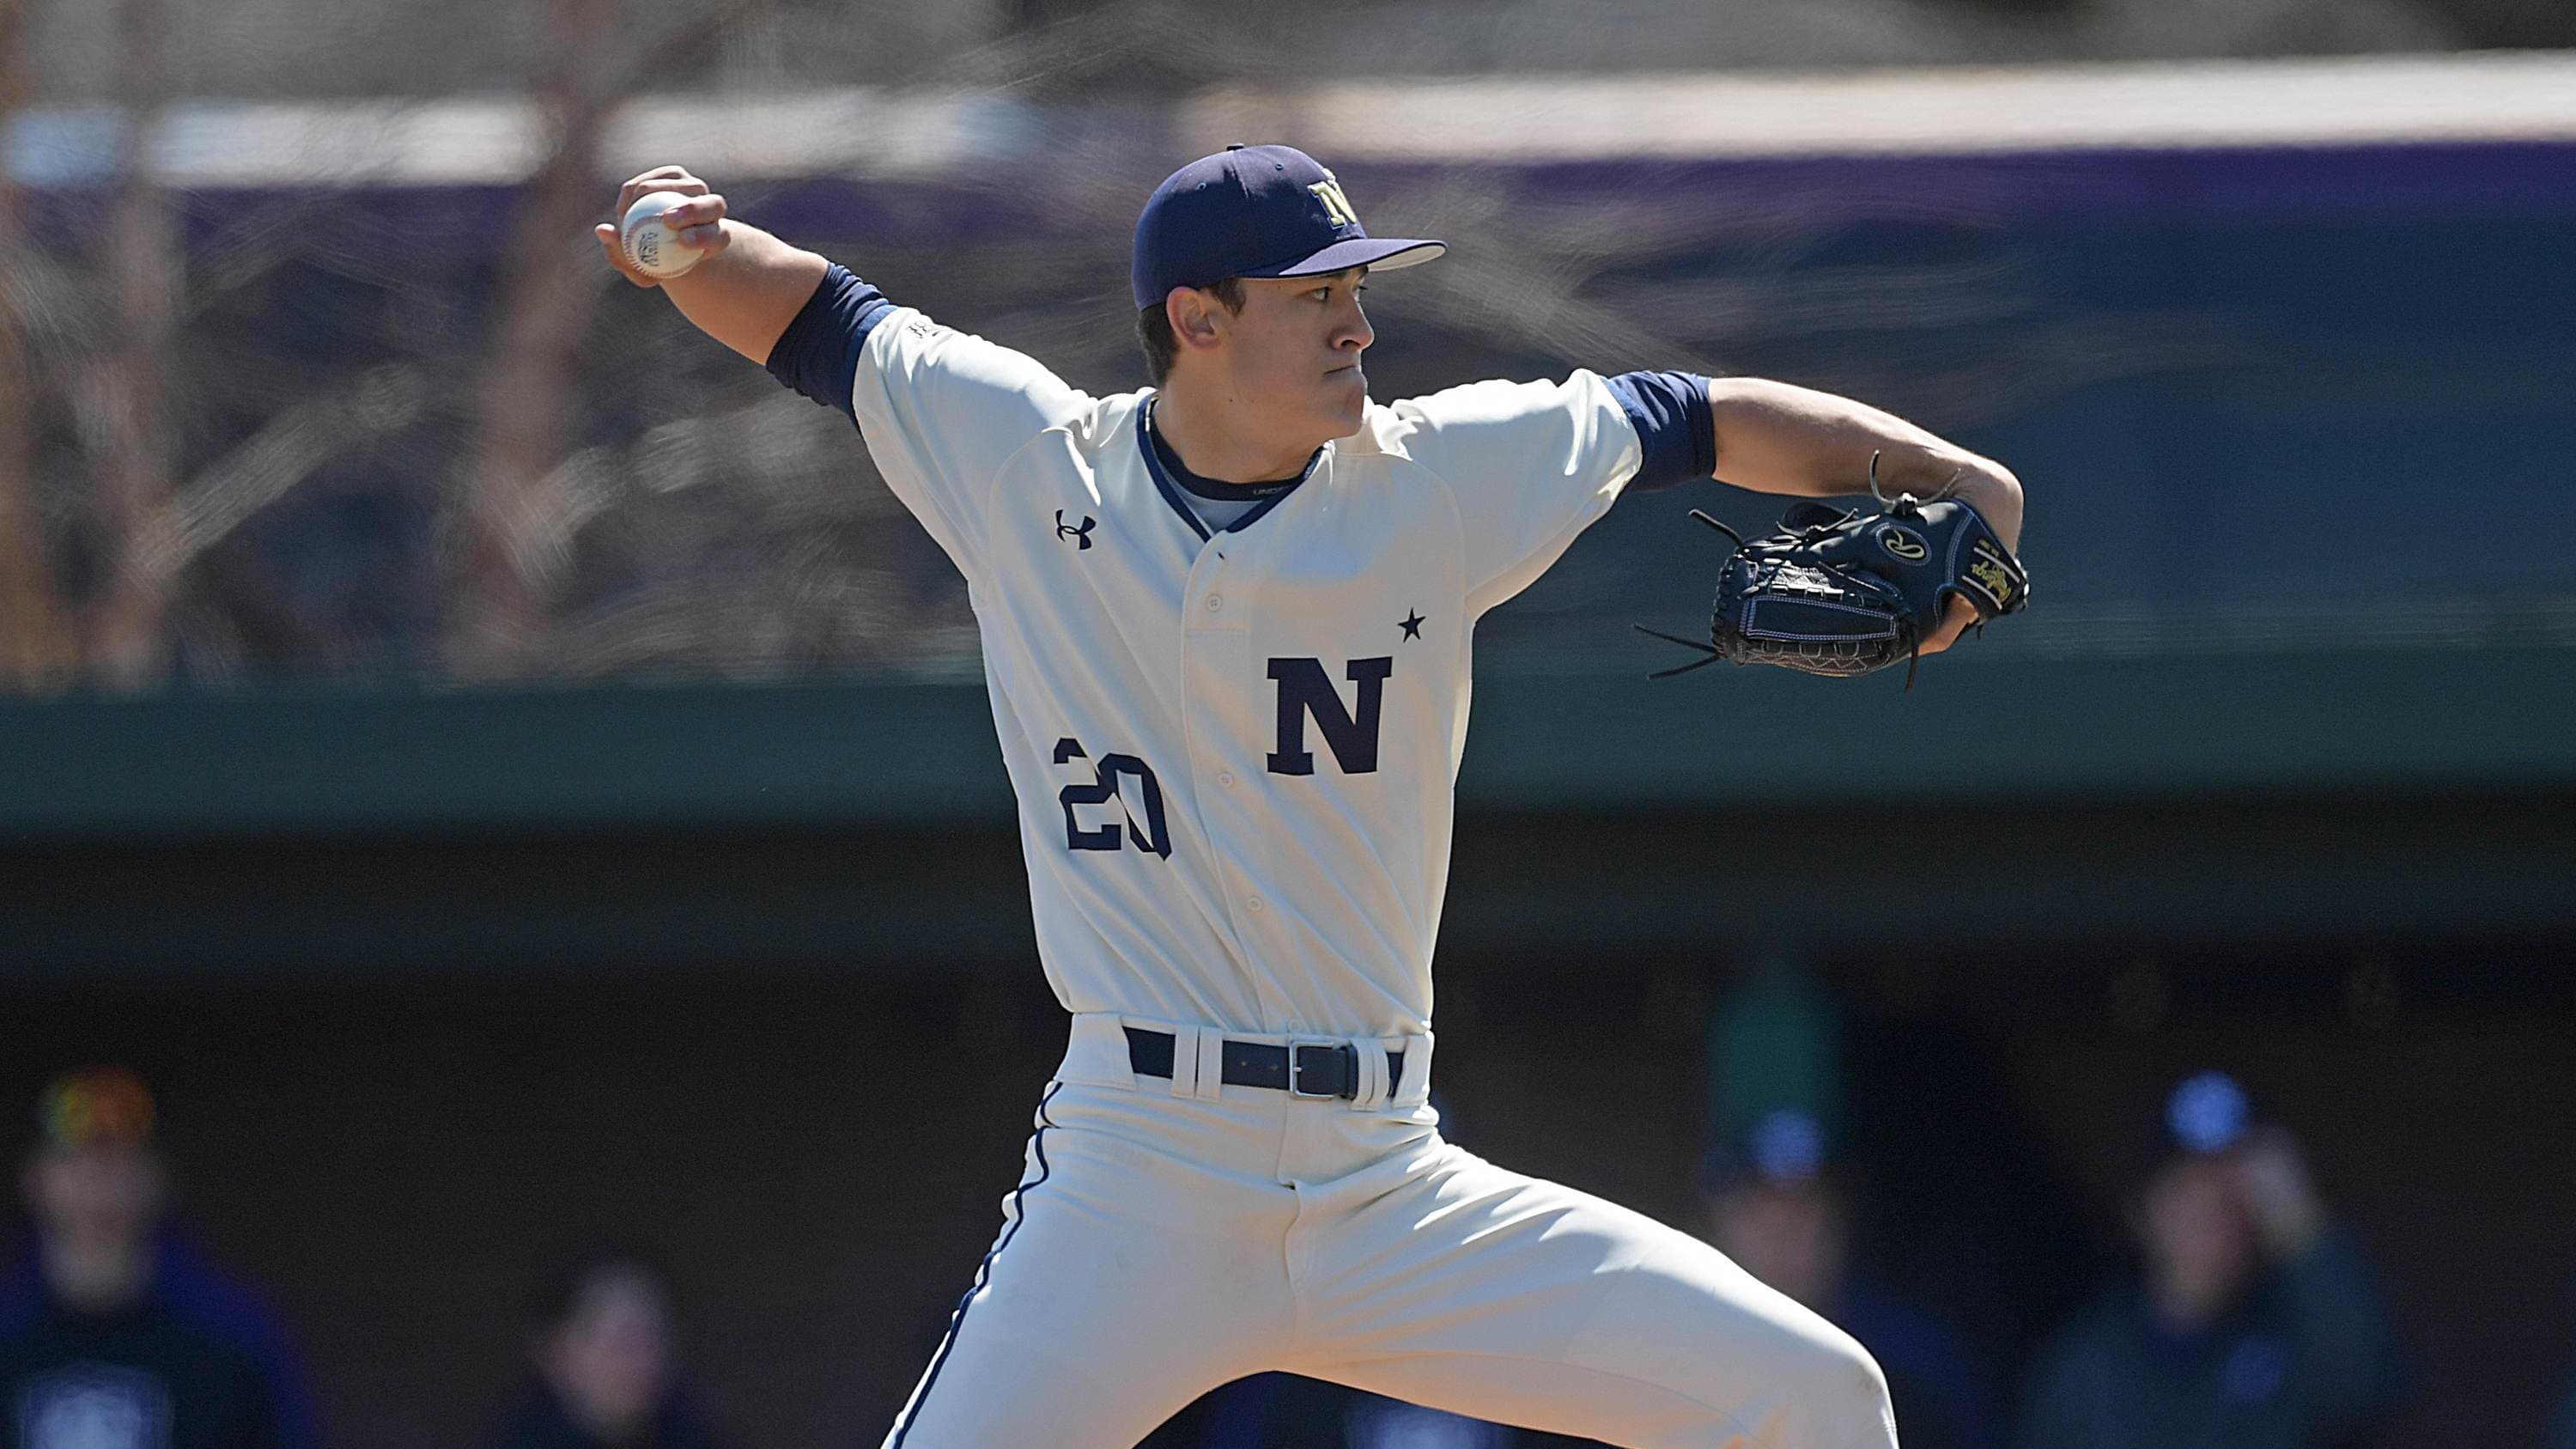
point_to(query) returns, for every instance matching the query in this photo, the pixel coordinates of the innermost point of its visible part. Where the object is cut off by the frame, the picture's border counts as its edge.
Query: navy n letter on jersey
(1351, 734)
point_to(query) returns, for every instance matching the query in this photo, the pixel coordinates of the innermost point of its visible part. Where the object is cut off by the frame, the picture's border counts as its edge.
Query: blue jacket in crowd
(196, 1363)
(2309, 1360)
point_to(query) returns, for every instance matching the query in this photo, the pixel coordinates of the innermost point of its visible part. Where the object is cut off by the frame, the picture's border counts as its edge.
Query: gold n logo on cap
(1336, 205)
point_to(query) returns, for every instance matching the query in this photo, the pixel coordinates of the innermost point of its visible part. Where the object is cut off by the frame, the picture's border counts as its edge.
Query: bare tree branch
(518, 518)
(546, 299)
(266, 466)
(144, 264)
(35, 649)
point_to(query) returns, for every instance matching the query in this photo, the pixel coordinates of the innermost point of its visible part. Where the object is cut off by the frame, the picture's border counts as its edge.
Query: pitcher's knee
(1815, 1389)
(1849, 1394)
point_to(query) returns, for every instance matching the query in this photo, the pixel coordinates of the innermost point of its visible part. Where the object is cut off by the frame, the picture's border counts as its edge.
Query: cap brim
(1385, 253)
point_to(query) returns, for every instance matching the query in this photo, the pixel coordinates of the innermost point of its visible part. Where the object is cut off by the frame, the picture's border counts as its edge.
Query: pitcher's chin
(1350, 400)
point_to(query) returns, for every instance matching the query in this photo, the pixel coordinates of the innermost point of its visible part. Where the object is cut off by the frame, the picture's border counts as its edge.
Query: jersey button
(1254, 903)
(1215, 602)
(1225, 779)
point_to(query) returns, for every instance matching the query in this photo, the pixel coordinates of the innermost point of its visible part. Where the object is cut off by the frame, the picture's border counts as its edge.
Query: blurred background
(516, 793)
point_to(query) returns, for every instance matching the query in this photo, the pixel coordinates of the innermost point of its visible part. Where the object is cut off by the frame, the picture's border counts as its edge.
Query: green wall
(2300, 797)
(299, 764)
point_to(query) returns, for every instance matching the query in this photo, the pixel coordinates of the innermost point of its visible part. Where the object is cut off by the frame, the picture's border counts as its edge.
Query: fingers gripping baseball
(696, 222)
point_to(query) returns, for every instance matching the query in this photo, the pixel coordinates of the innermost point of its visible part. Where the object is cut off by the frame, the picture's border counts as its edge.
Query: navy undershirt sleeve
(818, 354)
(1670, 411)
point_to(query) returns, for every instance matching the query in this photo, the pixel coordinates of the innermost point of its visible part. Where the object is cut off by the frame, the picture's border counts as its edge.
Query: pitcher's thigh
(1118, 1290)
(1488, 1293)
(999, 1380)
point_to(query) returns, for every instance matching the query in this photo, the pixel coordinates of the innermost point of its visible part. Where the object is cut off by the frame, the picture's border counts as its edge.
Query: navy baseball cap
(1255, 211)
(1784, 1147)
(2207, 1114)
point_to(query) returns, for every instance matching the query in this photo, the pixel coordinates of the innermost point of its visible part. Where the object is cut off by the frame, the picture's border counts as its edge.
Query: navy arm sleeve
(818, 354)
(1670, 411)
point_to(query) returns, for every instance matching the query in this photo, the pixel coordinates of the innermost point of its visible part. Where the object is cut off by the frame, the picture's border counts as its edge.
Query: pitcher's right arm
(940, 410)
(750, 284)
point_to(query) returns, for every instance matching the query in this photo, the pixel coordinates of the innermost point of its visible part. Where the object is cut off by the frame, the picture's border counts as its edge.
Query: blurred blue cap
(1783, 1147)
(1255, 211)
(2206, 1113)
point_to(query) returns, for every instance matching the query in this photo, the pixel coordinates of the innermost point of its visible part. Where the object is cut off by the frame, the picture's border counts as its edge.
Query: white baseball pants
(1169, 1236)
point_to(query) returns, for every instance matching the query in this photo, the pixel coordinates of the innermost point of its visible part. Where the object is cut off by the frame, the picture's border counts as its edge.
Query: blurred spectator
(1287, 1411)
(1372, 1421)
(115, 1332)
(1777, 1207)
(2561, 1431)
(600, 1341)
(2255, 1323)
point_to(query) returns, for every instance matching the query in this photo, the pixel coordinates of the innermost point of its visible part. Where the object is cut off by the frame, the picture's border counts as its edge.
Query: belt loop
(1369, 1057)
(1096, 1053)
(1185, 1061)
(1210, 1051)
(1415, 1089)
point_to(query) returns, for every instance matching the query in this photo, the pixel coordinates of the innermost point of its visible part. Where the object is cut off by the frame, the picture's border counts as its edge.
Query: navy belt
(1303, 1069)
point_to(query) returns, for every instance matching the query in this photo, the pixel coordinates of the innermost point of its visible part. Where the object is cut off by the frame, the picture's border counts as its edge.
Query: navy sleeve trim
(1670, 412)
(818, 354)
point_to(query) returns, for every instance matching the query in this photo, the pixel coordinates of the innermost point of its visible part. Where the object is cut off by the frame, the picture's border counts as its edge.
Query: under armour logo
(1081, 536)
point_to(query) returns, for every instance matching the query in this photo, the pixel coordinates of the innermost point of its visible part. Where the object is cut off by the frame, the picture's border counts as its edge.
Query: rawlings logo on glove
(1841, 593)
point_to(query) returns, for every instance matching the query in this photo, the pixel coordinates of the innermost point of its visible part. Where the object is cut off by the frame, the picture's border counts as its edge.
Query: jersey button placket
(1216, 667)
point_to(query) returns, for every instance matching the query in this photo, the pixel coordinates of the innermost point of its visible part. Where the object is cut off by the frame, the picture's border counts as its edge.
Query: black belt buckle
(1343, 1069)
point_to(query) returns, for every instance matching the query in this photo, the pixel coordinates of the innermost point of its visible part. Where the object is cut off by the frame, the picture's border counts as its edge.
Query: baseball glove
(1841, 593)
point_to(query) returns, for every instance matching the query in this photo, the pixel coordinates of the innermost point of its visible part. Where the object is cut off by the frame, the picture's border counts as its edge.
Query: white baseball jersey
(1234, 754)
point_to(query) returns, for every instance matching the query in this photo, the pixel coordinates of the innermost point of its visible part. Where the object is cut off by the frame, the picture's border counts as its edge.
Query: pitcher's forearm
(1774, 437)
(745, 295)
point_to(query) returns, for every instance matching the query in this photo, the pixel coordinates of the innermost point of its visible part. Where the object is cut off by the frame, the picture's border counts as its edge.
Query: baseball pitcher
(1226, 626)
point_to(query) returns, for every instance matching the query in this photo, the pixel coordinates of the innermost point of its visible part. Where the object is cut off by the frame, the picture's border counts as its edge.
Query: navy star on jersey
(1411, 623)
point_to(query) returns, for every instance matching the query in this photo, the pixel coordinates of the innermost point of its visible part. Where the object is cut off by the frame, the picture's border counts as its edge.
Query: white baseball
(653, 248)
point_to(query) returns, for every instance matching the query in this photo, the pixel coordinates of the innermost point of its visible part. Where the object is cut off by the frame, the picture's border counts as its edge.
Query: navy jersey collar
(1170, 475)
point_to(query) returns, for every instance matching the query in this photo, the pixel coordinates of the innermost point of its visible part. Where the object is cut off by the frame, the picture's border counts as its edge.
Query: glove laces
(1707, 649)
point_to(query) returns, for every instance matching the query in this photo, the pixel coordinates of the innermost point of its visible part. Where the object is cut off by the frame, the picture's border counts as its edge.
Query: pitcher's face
(1294, 353)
